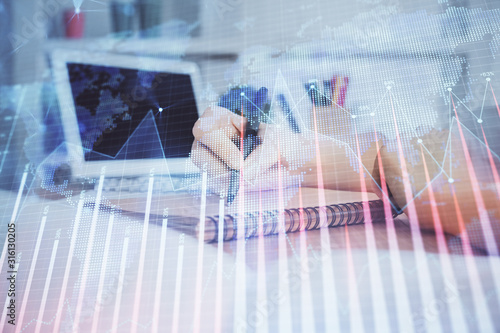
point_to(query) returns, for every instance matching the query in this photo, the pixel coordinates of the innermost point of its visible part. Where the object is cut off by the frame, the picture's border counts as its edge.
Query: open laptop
(128, 114)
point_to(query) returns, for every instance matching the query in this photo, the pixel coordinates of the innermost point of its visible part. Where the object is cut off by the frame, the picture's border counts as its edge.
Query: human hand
(276, 162)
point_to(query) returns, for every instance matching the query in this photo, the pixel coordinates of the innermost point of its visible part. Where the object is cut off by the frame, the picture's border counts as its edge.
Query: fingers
(221, 143)
(218, 172)
(205, 159)
(215, 150)
(270, 153)
(216, 117)
(217, 130)
(260, 160)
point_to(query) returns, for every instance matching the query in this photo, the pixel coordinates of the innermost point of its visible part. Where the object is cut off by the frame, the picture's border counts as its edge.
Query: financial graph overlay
(107, 253)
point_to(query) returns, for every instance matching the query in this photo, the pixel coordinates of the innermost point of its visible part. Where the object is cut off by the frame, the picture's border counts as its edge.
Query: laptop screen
(132, 114)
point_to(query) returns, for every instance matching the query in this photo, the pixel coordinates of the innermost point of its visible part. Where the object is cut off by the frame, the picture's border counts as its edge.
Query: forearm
(465, 206)
(339, 163)
(459, 199)
(338, 166)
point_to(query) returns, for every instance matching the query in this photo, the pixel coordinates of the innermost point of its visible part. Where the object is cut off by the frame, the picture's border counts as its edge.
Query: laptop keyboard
(140, 184)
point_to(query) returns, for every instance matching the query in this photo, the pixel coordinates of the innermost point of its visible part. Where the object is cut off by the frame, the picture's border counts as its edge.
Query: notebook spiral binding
(293, 220)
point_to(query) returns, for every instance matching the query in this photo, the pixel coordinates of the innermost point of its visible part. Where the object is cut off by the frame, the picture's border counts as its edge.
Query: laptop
(126, 115)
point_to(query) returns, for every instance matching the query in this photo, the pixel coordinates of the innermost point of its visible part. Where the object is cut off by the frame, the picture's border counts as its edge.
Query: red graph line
(481, 207)
(495, 98)
(492, 164)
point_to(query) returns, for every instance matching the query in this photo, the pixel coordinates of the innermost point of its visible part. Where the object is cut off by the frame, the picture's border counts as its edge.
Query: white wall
(283, 23)
(277, 23)
(33, 21)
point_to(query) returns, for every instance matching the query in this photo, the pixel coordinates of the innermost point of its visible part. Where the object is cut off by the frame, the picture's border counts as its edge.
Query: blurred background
(235, 41)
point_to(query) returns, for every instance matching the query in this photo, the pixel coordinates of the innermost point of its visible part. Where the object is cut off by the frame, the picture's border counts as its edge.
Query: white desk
(293, 297)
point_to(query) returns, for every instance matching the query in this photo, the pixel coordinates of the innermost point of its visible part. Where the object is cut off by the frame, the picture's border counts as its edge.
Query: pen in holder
(149, 17)
(122, 18)
(331, 92)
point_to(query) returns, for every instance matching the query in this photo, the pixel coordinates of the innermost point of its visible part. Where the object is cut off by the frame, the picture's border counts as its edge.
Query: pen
(252, 113)
(288, 113)
(316, 96)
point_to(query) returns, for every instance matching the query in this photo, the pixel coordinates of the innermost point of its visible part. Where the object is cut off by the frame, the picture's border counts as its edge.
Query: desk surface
(287, 281)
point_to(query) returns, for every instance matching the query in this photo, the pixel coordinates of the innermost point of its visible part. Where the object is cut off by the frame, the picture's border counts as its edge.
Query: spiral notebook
(290, 220)
(301, 212)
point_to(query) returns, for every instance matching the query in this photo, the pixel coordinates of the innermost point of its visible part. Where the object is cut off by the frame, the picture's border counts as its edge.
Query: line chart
(64, 301)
